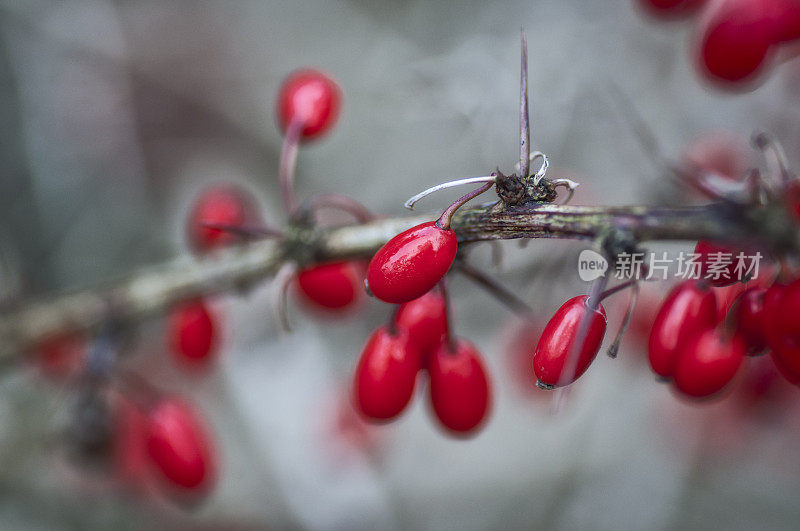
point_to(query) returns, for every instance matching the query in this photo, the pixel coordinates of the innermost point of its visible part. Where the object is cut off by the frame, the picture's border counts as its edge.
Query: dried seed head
(511, 189)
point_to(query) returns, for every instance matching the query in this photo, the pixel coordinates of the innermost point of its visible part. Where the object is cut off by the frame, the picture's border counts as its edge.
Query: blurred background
(115, 115)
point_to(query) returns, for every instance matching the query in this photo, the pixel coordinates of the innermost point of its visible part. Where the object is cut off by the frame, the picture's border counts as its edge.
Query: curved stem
(336, 201)
(614, 348)
(764, 141)
(283, 280)
(469, 180)
(444, 220)
(287, 165)
(611, 291)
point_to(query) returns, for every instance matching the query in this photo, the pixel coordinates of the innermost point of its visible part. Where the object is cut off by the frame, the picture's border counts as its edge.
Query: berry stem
(287, 165)
(448, 313)
(246, 231)
(499, 292)
(764, 141)
(611, 291)
(335, 201)
(614, 348)
(444, 220)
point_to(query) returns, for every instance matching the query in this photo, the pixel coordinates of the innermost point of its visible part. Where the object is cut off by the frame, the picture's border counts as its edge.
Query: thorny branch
(151, 291)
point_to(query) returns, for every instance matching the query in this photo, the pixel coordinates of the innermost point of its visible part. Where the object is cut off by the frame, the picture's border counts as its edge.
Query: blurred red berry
(179, 446)
(688, 310)
(718, 263)
(332, 286)
(220, 205)
(61, 357)
(670, 9)
(130, 458)
(738, 37)
(192, 333)
(708, 363)
(749, 307)
(312, 99)
(720, 152)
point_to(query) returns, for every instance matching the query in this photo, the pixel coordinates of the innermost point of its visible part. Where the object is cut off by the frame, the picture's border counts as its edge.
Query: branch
(152, 291)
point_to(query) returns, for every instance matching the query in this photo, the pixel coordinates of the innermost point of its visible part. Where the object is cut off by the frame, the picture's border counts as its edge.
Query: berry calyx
(412, 263)
(425, 320)
(192, 333)
(386, 374)
(179, 446)
(688, 310)
(707, 363)
(220, 205)
(557, 360)
(460, 390)
(311, 100)
(331, 286)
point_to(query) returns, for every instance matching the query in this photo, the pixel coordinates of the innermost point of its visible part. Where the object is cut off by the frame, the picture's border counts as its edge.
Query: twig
(151, 291)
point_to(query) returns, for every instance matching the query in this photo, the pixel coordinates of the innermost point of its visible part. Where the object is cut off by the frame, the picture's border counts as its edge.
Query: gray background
(115, 113)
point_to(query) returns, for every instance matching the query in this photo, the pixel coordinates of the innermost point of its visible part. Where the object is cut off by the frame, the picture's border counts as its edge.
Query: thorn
(524, 121)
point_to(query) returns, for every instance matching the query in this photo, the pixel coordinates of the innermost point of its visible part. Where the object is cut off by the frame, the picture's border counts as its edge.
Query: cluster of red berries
(738, 39)
(418, 338)
(700, 337)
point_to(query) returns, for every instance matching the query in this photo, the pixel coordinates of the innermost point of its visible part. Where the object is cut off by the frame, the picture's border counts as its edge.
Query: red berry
(688, 310)
(192, 333)
(708, 363)
(792, 195)
(130, 457)
(178, 445)
(311, 98)
(737, 39)
(721, 153)
(221, 205)
(788, 19)
(785, 317)
(460, 393)
(412, 263)
(556, 346)
(386, 374)
(332, 286)
(425, 320)
(787, 360)
(61, 357)
(667, 9)
(718, 263)
(750, 318)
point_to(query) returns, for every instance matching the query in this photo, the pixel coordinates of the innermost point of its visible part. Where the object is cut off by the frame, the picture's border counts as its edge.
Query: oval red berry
(411, 263)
